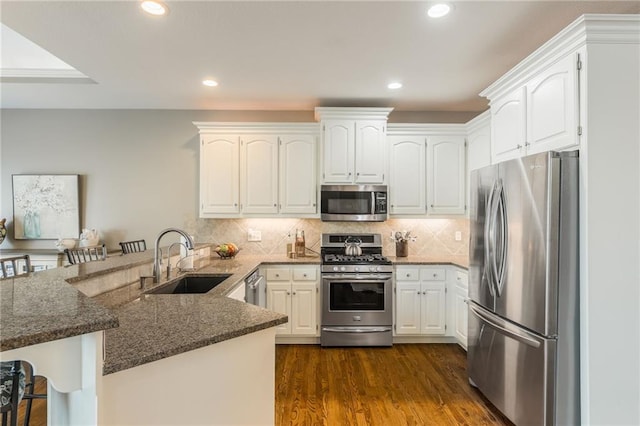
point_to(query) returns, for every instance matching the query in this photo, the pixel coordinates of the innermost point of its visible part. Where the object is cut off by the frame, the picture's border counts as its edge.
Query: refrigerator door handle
(504, 327)
(488, 271)
(499, 240)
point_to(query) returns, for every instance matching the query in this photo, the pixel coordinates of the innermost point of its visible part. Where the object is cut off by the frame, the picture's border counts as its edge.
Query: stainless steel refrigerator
(523, 348)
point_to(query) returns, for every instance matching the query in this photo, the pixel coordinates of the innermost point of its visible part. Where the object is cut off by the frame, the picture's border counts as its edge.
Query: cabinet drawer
(278, 274)
(306, 274)
(432, 274)
(462, 279)
(407, 274)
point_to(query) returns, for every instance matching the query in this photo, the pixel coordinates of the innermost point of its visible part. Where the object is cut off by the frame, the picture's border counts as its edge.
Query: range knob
(379, 269)
(342, 269)
(372, 268)
(335, 268)
(356, 269)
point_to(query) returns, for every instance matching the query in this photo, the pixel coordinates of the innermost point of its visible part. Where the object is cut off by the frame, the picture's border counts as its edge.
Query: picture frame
(46, 207)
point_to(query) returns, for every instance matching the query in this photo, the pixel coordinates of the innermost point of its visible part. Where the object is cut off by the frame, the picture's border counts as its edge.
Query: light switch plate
(254, 235)
(458, 236)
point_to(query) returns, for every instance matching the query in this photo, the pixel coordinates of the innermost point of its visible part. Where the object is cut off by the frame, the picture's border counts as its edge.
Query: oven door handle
(353, 277)
(356, 330)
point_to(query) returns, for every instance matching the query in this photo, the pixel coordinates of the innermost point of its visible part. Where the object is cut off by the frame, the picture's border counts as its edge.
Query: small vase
(31, 225)
(402, 248)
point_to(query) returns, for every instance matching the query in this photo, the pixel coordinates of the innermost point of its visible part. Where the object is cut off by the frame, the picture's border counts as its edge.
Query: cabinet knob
(275, 205)
(518, 146)
(358, 174)
(527, 144)
(431, 205)
(235, 204)
(435, 275)
(294, 293)
(304, 275)
(314, 204)
(349, 173)
(408, 275)
(288, 293)
(277, 275)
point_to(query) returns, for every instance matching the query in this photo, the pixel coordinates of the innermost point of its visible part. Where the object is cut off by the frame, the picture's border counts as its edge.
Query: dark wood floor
(38, 408)
(403, 385)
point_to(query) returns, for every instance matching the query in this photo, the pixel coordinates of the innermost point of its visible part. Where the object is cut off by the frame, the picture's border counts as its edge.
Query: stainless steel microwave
(353, 203)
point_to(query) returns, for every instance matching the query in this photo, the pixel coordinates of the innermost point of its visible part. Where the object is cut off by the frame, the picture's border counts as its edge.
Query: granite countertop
(142, 327)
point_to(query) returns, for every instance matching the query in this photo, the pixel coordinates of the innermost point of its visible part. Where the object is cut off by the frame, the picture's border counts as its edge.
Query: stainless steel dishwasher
(255, 289)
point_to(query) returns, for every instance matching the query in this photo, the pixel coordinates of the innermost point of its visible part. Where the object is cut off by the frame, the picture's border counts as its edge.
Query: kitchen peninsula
(157, 352)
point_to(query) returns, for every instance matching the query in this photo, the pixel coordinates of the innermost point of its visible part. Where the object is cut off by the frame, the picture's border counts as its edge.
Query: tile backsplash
(434, 236)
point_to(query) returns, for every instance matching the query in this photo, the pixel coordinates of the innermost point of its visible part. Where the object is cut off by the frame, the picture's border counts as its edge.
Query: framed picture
(46, 207)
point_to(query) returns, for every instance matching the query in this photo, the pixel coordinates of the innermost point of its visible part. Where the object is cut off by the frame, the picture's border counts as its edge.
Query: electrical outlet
(254, 235)
(458, 236)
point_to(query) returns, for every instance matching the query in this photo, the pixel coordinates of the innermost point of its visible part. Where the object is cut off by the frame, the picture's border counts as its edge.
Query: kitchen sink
(189, 285)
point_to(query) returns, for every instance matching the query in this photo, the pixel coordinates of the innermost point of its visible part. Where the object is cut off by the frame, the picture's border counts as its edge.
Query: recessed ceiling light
(210, 83)
(438, 10)
(154, 7)
(394, 85)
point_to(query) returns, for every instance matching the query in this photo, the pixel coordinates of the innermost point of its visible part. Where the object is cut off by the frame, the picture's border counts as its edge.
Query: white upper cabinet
(370, 151)
(446, 175)
(219, 174)
(536, 106)
(298, 191)
(479, 141)
(259, 166)
(353, 144)
(552, 107)
(338, 144)
(407, 174)
(258, 169)
(508, 126)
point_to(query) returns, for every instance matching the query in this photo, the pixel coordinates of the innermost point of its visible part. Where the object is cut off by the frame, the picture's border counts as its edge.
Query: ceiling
(288, 55)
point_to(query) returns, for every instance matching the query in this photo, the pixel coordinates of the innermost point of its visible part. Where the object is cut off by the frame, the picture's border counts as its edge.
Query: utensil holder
(402, 248)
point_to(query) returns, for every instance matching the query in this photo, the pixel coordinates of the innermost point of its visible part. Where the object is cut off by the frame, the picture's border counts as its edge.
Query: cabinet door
(338, 144)
(407, 307)
(304, 316)
(219, 174)
(433, 308)
(552, 108)
(259, 182)
(508, 131)
(446, 165)
(461, 309)
(479, 149)
(279, 300)
(407, 175)
(370, 151)
(298, 174)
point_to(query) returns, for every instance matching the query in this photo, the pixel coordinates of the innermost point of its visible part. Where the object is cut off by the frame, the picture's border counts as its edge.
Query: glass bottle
(300, 243)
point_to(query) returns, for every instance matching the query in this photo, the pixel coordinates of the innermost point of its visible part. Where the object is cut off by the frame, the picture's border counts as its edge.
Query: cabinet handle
(408, 275)
(235, 204)
(277, 275)
(304, 275)
(435, 275)
(288, 293)
(314, 204)
(431, 205)
(275, 205)
(518, 146)
(294, 293)
(358, 174)
(527, 144)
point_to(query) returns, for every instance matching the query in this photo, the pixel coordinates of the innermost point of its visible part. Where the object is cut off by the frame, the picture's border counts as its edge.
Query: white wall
(610, 238)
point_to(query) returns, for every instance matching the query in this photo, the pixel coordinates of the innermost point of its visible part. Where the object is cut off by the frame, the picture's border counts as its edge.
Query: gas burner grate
(362, 259)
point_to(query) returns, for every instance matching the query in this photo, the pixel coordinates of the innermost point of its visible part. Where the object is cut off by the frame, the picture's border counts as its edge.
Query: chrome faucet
(169, 257)
(157, 257)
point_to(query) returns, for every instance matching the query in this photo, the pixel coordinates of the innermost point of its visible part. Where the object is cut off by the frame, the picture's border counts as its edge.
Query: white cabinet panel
(370, 151)
(421, 306)
(219, 174)
(446, 164)
(552, 107)
(279, 300)
(433, 307)
(407, 312)
(259, 183)
(303, 309)
(508, 126)
(407, 175)
(298, 192)
(338, 146)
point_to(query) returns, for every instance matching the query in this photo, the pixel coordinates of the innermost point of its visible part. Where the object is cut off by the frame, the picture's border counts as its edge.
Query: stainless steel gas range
(356, 291)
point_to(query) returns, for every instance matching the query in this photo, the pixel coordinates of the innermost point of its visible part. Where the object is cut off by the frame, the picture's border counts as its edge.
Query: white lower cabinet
(461, 308)
(420, 301)
(293, 291)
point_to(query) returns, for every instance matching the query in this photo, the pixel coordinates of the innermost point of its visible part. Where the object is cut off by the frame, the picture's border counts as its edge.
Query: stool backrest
(134, 246)
(16, 265)
(86, 254)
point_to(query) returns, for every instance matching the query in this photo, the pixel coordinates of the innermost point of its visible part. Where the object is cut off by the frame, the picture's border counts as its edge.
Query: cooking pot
(352, 246)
